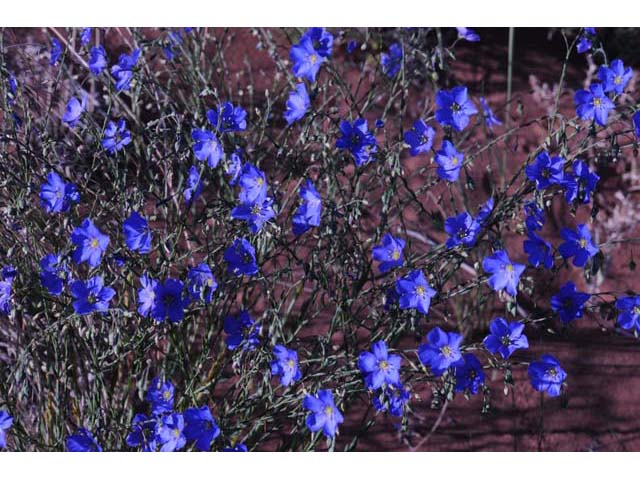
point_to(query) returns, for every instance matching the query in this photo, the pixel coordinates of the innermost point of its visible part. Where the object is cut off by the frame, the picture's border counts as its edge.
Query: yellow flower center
(176, 432)
(396, 254)
(420, 291)
(383, 365)
(446, 351)
(313, 58)
(256, 209)
(597, 102)
(167, 395)
(291, 363)
(636, 310)
(583, 242)
(509, 268)
(259, 181)
(617, 80)
(210, 282)
(328, 410)
(454, 161)
(94, 243)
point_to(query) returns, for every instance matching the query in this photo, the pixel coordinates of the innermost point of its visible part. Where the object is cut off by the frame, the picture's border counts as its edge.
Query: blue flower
(358, 140)
(441, 351)
(253, 184)
(242, 330)
(577, 244)
(97, 60)
(160, 396)
(485, 212)
(469, 375)
(234, 166)
(379, 367)
(56, 196)
(241, 258)
(505, 275)
(545, 170)
(539, 251)
(636, 123)
(580, 184)
(6, 421)
(454, 108)
(201, 283)
(82, 441)
(505, 338)
(116, 136)
(74, 110)
(490, 119)
(535, 216)
(285, 365)
(392, 398)
(297, 104)
(584, 44)
(85, 36)
(547, 375)
(414, 292)
(569, 303)
(593, 103)
(389, 253)
(137, 234)
(56, 51)
(193, 186)
(6, 279)
(207, 147)
(228, 118)
(170, 432)
(256, 213)
(420, 137)
(351, 46)
(392, 61)
(309, 211)
(629, 312)
(468, 34)
(449, 162)
(311, 51)
(147, 295)
(171, 44)
(169, 301)
(122, 72)
(90, 243)
(91, 296)
(324, 414)
(462, 229)
(142, 433)
(615, 77)
(239, 447)
(54, 273)
(200, 427)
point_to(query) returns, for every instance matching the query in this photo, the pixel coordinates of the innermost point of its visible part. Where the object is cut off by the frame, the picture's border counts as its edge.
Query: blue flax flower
(91, 296)
(324, 414)
(420, 137)
(629, 312)
(90, 243)
(6, 421)
(593, 104)
(56, 196)
(193, 186)
(449, 162)
(636, 123)
(351, 46)
(310, 52)
(122, 72)
(137, 234)
(228, 118)
(615, 77)
(200, 427)
(172, 44)
(414, 292)
(242, 330)
(547, 375)
(505, 275)
(454, 108)
(309, 211)
(535, 216)
(505, 338)
(539, 251)
(160, 396)
(580, 184)
(256, 213)
(6, 281)
(253, 184)
(147, 295)
(490, 119)
(142, 434)
(201, 283)
(389, 253)
(170, 432)
(469, 375)
(116, 136)
(392, 398)
(53, 274)
(241, 258)
(469, 34)
(392, 61)
(545, 170)
(379, 367)
(297, 104)
(207, 147)
(85, 36)
(484, 212)
(97, 60)
(441, 351)
(74, 110)
(233, 166)
(56, 51)
(585, 42)
(357, 138)
(577, 244)
(285, 365)
(169, 301)
(82, 441)
(463, 229)
(569, 302)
